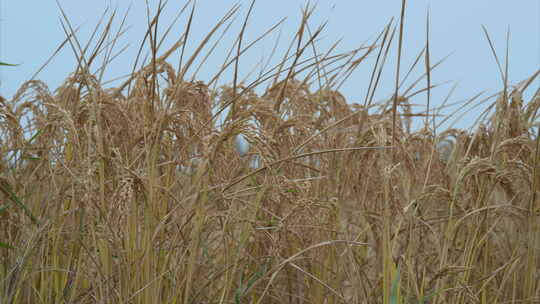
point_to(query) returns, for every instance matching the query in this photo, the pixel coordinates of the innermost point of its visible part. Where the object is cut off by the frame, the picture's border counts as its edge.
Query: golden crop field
(138, 193)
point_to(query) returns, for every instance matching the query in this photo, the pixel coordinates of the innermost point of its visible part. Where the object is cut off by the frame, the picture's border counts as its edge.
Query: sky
(31, 31)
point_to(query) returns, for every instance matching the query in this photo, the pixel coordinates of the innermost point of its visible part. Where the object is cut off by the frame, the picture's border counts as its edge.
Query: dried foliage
(140, 197)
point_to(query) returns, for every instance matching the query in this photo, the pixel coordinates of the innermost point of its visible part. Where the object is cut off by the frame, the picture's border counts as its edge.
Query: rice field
(168, 189)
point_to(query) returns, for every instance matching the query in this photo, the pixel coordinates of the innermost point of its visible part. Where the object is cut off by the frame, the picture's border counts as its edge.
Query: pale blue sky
(31, 32)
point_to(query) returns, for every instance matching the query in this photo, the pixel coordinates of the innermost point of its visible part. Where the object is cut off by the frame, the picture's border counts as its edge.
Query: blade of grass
(6, 188)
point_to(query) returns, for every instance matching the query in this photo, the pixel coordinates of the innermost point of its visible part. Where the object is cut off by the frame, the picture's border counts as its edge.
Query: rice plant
(169, 189)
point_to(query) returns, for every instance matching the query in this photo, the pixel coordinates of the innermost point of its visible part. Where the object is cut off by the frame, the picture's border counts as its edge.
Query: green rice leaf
(4, 245)
(7, 64)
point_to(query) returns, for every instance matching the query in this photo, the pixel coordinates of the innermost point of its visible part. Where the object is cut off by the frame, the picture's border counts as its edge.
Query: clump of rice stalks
(139, 195)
